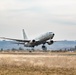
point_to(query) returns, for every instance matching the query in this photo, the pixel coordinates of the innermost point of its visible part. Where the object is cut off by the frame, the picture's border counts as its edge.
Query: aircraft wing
(18, 40)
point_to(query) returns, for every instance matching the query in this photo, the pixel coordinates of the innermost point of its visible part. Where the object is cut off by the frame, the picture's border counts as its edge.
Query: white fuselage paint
(41, 39)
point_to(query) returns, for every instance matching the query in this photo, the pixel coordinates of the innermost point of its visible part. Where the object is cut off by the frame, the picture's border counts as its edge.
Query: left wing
(18, 40)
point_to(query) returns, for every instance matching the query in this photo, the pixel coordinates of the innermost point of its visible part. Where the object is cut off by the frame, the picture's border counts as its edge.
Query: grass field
(38, 64)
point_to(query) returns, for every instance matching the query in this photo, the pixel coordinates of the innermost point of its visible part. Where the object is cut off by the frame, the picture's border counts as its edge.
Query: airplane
(42, 39)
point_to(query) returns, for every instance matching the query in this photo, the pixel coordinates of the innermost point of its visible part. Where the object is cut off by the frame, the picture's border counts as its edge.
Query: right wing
(18, 40)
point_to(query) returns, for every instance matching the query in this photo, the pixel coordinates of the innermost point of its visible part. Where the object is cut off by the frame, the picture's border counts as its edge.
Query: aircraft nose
(52, 35)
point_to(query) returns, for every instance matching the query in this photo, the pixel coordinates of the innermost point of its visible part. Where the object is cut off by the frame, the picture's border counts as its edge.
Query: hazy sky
(37, 17)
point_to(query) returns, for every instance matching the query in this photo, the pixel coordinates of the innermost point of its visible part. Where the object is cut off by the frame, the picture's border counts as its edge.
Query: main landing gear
(44, 47)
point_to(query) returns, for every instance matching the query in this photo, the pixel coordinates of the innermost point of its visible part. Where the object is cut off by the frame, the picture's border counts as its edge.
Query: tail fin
(24, 35)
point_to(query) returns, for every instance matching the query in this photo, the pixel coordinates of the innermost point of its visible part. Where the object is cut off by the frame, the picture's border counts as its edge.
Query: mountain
(56, 46)
(63, 45)
(9, 45)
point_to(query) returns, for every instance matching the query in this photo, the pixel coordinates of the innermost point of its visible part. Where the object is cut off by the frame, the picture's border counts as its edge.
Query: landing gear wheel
(44, 48)
(33, 48)
(30, 51)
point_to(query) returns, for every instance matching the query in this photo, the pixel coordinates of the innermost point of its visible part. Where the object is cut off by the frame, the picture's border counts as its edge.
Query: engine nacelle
(50, 42)
(32, 41)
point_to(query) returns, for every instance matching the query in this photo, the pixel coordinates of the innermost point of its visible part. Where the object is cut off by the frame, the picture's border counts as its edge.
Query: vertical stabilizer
(24, 35)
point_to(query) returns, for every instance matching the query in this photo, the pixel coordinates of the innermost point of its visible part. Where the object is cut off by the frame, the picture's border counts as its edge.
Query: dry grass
(46, 64)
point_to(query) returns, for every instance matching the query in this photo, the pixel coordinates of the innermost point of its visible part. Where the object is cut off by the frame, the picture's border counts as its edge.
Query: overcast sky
(37, 17)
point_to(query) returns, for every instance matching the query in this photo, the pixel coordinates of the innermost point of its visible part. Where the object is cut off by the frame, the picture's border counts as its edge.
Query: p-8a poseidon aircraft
(43, 39)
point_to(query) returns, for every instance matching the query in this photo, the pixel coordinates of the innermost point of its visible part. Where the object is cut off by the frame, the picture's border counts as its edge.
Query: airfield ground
(37, 63)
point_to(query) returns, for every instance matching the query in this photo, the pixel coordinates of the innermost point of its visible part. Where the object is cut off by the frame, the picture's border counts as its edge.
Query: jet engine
(32, 41)
(50, 42)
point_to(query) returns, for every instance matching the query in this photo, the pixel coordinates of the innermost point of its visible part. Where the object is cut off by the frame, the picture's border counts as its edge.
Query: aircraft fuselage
(40, 40)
